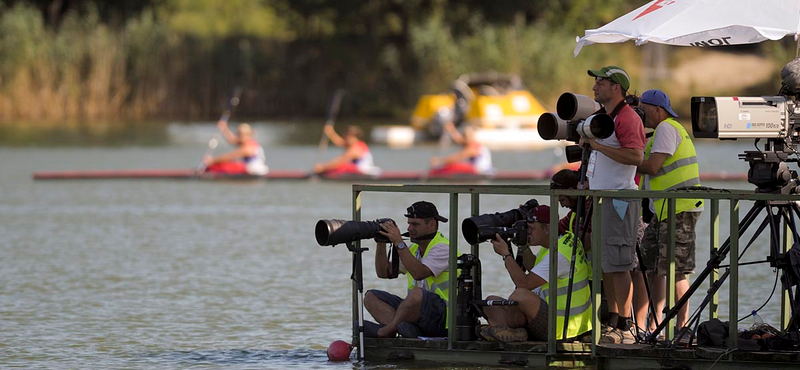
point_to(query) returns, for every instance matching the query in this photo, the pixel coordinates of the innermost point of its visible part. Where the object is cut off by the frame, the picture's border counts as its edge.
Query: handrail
(733, 196)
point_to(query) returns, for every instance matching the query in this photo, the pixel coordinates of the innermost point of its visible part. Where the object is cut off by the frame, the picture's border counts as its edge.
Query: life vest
(437, 284)
(580, 313)
(679, 170)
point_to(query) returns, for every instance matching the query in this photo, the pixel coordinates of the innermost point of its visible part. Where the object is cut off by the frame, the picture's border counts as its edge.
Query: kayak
(286, 175)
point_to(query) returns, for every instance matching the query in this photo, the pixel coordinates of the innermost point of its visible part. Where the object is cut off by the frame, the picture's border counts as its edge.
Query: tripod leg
(712, 264)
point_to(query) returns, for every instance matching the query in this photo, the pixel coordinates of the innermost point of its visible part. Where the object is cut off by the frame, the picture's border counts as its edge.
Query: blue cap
(657, 98)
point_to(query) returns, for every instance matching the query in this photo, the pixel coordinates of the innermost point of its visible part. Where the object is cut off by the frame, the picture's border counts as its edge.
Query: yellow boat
(503, 112)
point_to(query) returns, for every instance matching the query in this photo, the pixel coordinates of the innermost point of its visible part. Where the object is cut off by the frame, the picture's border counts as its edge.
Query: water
(145, 274)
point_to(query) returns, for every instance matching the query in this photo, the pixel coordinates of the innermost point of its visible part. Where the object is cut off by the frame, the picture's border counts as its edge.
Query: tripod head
(769, 170)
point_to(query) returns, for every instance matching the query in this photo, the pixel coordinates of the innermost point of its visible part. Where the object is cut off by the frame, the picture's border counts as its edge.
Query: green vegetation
(97, 61)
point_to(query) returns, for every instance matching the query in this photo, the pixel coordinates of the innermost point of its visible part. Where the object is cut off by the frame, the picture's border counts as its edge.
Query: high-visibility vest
(580, 313)
(437, 284)
(679, 170)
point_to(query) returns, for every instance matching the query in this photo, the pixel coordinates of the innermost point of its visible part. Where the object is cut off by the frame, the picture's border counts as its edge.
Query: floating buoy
(339, 351)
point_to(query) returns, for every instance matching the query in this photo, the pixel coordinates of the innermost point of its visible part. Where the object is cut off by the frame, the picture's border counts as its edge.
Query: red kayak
(386, 176)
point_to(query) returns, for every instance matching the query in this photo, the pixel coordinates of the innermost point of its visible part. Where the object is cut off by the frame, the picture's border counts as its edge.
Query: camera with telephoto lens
(481, 228)
(332, 232)
(516, 233)
(576, 119)
(773, 118)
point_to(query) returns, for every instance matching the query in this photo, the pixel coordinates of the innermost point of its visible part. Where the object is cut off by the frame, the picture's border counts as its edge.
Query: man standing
(528, 319)
(426, 265)
(670, 163)
(612, 166)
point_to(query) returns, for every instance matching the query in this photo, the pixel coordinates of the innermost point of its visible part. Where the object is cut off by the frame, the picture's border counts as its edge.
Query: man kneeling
(528, 320)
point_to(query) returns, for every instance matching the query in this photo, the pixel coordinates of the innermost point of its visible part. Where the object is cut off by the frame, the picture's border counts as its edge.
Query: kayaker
(356, 158)
(247, 158)
(474, 158)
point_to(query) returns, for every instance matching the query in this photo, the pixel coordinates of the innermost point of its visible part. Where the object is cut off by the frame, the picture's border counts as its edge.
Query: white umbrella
(702, 23)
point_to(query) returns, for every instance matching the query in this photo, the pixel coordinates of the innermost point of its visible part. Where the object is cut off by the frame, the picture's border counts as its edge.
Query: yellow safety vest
(438, 284)
(580, 313)
(679, 170)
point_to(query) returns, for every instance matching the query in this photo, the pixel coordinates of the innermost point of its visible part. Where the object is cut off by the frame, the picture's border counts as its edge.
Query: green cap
(613, 73)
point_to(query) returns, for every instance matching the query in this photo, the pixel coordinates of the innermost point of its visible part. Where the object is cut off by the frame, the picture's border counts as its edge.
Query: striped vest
(679, 170)
(580, 312)
(438, 284)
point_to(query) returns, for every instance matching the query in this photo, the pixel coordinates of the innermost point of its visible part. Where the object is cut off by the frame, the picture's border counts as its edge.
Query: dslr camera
(510, 225)
(332, 232)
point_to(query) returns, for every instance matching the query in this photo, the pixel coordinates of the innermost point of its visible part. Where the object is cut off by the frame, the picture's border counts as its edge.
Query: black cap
(423, 209)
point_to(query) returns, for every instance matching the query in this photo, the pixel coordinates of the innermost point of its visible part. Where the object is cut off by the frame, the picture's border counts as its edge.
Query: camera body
(471, 227)
(332, 232)
(516, 233)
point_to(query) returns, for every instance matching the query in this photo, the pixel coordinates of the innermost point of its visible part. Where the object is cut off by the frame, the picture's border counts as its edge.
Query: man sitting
(528, 320)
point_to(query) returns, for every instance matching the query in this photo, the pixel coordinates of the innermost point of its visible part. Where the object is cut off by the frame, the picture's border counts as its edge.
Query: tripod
(788, 262)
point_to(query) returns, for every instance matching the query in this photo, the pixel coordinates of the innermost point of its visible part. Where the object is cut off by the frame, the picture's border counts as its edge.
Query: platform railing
(734, 197)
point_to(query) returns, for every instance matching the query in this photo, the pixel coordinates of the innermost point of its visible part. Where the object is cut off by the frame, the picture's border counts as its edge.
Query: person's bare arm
(229, 136)
(518, 276)
(628, 156)
(230, 156)
(650, 166)
(333, 136)
(413, 266)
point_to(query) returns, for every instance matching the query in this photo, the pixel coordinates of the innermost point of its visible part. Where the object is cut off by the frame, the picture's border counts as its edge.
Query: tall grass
(85, 71)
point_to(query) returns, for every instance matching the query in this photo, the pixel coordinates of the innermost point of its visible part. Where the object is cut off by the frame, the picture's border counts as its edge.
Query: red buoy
(339, 351)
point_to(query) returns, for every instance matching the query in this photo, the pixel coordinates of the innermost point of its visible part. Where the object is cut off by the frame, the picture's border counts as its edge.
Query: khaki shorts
(619, 235)
(654, 245)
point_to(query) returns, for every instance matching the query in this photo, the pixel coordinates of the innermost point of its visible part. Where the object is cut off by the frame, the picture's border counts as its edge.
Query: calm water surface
(145, 274)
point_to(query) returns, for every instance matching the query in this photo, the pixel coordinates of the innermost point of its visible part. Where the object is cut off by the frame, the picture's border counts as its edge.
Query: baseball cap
(613, 73)
(423, 209)
(657, 98)
(540, 214)
(565, 179)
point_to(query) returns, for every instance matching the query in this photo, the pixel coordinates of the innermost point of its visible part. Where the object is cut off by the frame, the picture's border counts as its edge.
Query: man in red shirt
(612, 166)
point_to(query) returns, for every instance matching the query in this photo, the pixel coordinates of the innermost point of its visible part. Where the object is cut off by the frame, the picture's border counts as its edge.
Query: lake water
(146, 274)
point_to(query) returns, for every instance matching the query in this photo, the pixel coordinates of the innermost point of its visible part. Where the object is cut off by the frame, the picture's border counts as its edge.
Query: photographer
(528, 320)
(670, 163)
(612, 166)
(426, 264)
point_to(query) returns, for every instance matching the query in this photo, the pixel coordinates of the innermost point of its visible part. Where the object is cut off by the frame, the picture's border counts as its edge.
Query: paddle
(333, 111)
(233, 101)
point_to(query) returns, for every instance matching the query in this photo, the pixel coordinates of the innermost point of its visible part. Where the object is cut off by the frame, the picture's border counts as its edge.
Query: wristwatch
(402, 245)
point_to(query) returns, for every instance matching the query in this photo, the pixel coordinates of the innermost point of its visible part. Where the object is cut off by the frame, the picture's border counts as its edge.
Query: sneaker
(627, 336)
(611, 337)
(371, 329)
(618, 336)
(506, 334)
(486, 335)
(408, 330)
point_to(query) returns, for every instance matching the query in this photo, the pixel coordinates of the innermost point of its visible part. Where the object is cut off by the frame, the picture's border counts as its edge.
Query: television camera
(773, 118)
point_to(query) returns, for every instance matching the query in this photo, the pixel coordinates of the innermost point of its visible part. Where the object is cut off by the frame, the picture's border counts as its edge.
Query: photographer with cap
(528, 319)
(670, 163)
(612, 166)
(426, 264)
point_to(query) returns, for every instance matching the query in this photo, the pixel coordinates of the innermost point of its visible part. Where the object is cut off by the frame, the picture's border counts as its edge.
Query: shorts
(654, 245)
(432, 314)
(618, 234)
(537, 329)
